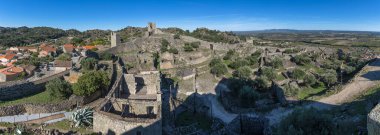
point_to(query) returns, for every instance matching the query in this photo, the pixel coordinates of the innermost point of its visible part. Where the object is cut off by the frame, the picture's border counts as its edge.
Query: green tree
(330, 77)
(164, 45)
(238, 63)
(89, 63)
(91, 82)
(298, 74)
(219, 69)
(64, 57)
(243, 73)
(59, 88)
(215, 61)
(310, 80)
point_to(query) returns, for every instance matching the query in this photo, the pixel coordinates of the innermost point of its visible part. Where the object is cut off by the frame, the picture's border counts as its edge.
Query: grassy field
(39, 98)
(310, 91)
(65, 126)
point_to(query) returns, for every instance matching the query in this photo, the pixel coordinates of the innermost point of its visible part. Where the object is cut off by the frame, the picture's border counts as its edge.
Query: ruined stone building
(133, 106)
(115, 39)
(152, 29)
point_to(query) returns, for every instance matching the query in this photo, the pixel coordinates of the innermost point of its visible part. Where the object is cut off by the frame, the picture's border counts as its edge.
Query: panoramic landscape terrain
(170, 79)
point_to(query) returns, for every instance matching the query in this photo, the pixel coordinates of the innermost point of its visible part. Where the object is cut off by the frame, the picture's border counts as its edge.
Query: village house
(47, 51)
(68, 48)
(62, 65)
(8, 58)
(28, 49)
(10, 74)
(86, 49)
(29, 69)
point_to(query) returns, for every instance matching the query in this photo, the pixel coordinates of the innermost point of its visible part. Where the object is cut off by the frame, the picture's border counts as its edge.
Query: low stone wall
(35, 108)
(17, 89)
(108, 124)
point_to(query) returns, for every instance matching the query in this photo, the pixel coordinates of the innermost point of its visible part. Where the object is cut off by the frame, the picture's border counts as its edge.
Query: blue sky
(189, 14)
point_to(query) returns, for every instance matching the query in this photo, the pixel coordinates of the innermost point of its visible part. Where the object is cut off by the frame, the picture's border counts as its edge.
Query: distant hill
(292, 31)
(21, 36)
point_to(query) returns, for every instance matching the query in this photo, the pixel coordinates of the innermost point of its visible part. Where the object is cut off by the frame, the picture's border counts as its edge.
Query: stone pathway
(42, 116)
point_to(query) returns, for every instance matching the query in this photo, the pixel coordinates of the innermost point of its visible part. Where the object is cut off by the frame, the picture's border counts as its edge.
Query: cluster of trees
(87, 84)
(165, 47)
(89, 63)
(90, 82)
(191, 46)
(24, 35)
(34, 60)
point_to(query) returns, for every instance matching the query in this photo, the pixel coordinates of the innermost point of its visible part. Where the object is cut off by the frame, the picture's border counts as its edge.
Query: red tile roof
(48, 49)
(68, 47)
(9, 56)
(12, 70)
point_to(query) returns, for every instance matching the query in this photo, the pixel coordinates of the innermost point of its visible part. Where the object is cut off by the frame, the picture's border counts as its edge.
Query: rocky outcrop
(373, 121)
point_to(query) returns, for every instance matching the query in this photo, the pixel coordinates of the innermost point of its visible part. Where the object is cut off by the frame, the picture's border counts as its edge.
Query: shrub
(307, 121)
(238, 63)
(164, 45)
(173, 50)
(64, 56)
(243, 73)
(269, 73)
(301, 59)
(262, 83)
(188, 48)
(275, 63)
(89, 63)
(195, 44)
(58, 88)
(91, 82)
(229, 55)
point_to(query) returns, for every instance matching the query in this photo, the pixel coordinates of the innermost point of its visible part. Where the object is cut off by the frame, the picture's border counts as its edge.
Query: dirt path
(369, 77)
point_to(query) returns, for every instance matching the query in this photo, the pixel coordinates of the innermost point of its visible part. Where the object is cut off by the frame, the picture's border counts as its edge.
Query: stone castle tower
(152, 29)
(115, 39)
